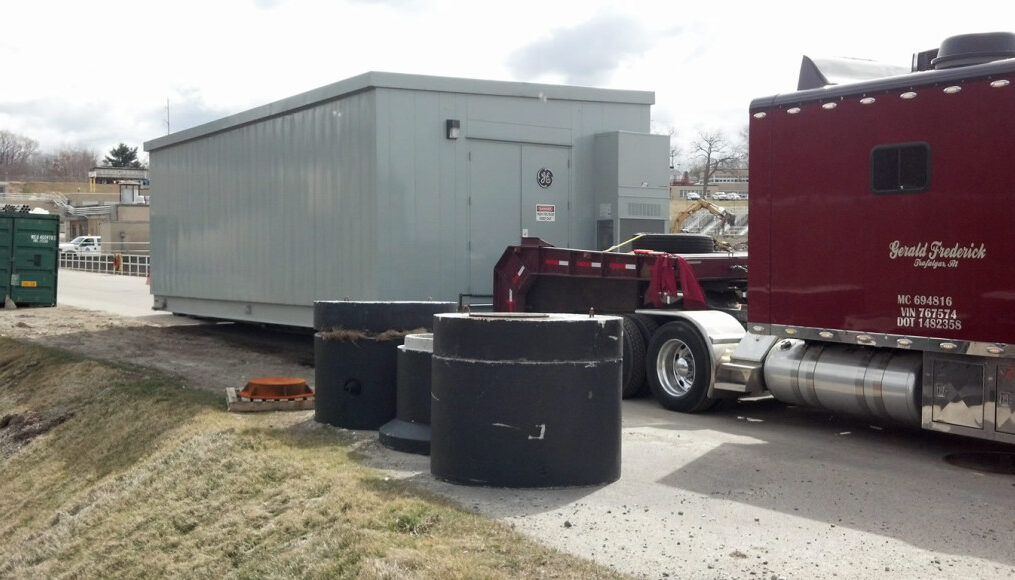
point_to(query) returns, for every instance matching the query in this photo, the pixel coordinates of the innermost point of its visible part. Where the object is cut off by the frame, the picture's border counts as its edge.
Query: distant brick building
(725, 181)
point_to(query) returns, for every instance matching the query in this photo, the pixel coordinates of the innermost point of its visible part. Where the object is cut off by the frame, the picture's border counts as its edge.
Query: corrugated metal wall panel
(274, 211)
(423, 246)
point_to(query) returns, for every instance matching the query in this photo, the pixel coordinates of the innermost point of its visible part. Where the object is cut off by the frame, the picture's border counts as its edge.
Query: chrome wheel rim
(675, 368)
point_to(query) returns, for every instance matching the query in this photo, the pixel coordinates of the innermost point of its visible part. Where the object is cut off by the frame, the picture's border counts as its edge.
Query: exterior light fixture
(1000, 83)
(829, 106)
(454, 128)
(952, 90)
(908, 96)
(867, 101)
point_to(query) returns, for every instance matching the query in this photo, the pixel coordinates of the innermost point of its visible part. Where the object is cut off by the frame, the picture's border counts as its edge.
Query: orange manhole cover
(276, 388)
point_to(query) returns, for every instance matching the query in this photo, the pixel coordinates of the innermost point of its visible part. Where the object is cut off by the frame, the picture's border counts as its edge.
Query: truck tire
(679, 368)
(647, 326)
(633, 374)
(675, 243)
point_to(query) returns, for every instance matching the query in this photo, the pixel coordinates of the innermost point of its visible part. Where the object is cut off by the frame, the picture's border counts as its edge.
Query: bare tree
(742, 147)
(15, 153)
(72, 163)
(675, 151)
(713, 152)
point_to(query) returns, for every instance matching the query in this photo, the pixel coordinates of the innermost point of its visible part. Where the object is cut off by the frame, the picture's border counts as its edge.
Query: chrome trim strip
(899, 341)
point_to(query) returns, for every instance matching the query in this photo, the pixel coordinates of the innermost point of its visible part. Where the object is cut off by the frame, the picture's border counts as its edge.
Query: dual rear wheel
(673, 360)
(638, 330)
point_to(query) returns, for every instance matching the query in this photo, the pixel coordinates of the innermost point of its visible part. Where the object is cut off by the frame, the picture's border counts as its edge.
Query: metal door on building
(546, 193)
(515, 190)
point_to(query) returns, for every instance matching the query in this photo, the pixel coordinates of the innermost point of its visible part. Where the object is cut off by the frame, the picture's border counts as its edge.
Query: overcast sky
(94, 74)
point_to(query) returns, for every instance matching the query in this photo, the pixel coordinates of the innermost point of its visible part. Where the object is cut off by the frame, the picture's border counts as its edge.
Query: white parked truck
(82, 245)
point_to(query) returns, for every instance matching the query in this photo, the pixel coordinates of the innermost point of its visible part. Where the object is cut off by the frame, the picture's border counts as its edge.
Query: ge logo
(544, 178)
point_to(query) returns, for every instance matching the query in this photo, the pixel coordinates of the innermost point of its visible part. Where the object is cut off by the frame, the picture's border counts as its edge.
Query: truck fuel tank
(862, 381)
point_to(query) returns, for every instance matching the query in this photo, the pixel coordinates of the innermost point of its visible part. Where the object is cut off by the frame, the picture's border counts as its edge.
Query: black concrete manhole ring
(989, 461)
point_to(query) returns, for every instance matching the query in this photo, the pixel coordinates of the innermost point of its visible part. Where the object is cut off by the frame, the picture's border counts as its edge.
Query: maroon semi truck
(881, 267)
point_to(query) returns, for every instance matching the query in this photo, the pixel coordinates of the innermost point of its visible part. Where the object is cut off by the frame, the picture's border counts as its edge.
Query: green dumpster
(29, 258)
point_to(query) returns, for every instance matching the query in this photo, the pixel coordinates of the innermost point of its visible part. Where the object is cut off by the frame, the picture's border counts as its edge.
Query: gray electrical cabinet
(387, 186)
(632, 186)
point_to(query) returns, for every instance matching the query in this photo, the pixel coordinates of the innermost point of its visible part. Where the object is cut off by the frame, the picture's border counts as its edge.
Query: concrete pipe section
(526, 400)
(355, 357)
(409, 431)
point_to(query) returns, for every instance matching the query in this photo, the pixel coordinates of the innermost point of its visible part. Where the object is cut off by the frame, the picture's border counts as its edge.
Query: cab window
(900, 168)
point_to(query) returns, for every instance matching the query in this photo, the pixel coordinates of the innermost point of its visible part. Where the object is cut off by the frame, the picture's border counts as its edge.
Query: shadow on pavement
(890, 481)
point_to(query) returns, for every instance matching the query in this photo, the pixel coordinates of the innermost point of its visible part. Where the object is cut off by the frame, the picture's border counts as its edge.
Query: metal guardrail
(108, 263)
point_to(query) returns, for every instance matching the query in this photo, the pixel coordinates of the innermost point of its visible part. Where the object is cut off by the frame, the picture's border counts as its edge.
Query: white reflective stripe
(629, 266)
(562, 262)
(520, 270)
(597, 264)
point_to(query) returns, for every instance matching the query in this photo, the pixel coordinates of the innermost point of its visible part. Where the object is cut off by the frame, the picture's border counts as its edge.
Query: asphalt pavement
(110, 293)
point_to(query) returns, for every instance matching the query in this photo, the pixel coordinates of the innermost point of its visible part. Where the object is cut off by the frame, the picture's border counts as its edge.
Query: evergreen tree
(122, 156)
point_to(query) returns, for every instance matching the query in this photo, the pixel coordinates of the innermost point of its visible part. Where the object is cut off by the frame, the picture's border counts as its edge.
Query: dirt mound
(204, 355)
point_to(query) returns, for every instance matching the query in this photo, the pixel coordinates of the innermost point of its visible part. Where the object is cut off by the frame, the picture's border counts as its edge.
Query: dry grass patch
(145, 479)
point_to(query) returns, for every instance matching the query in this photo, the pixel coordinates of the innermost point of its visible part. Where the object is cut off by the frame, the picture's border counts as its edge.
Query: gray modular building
(393, 187)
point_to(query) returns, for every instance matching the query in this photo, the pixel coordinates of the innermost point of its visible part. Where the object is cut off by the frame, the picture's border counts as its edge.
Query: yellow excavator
(718, 211)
